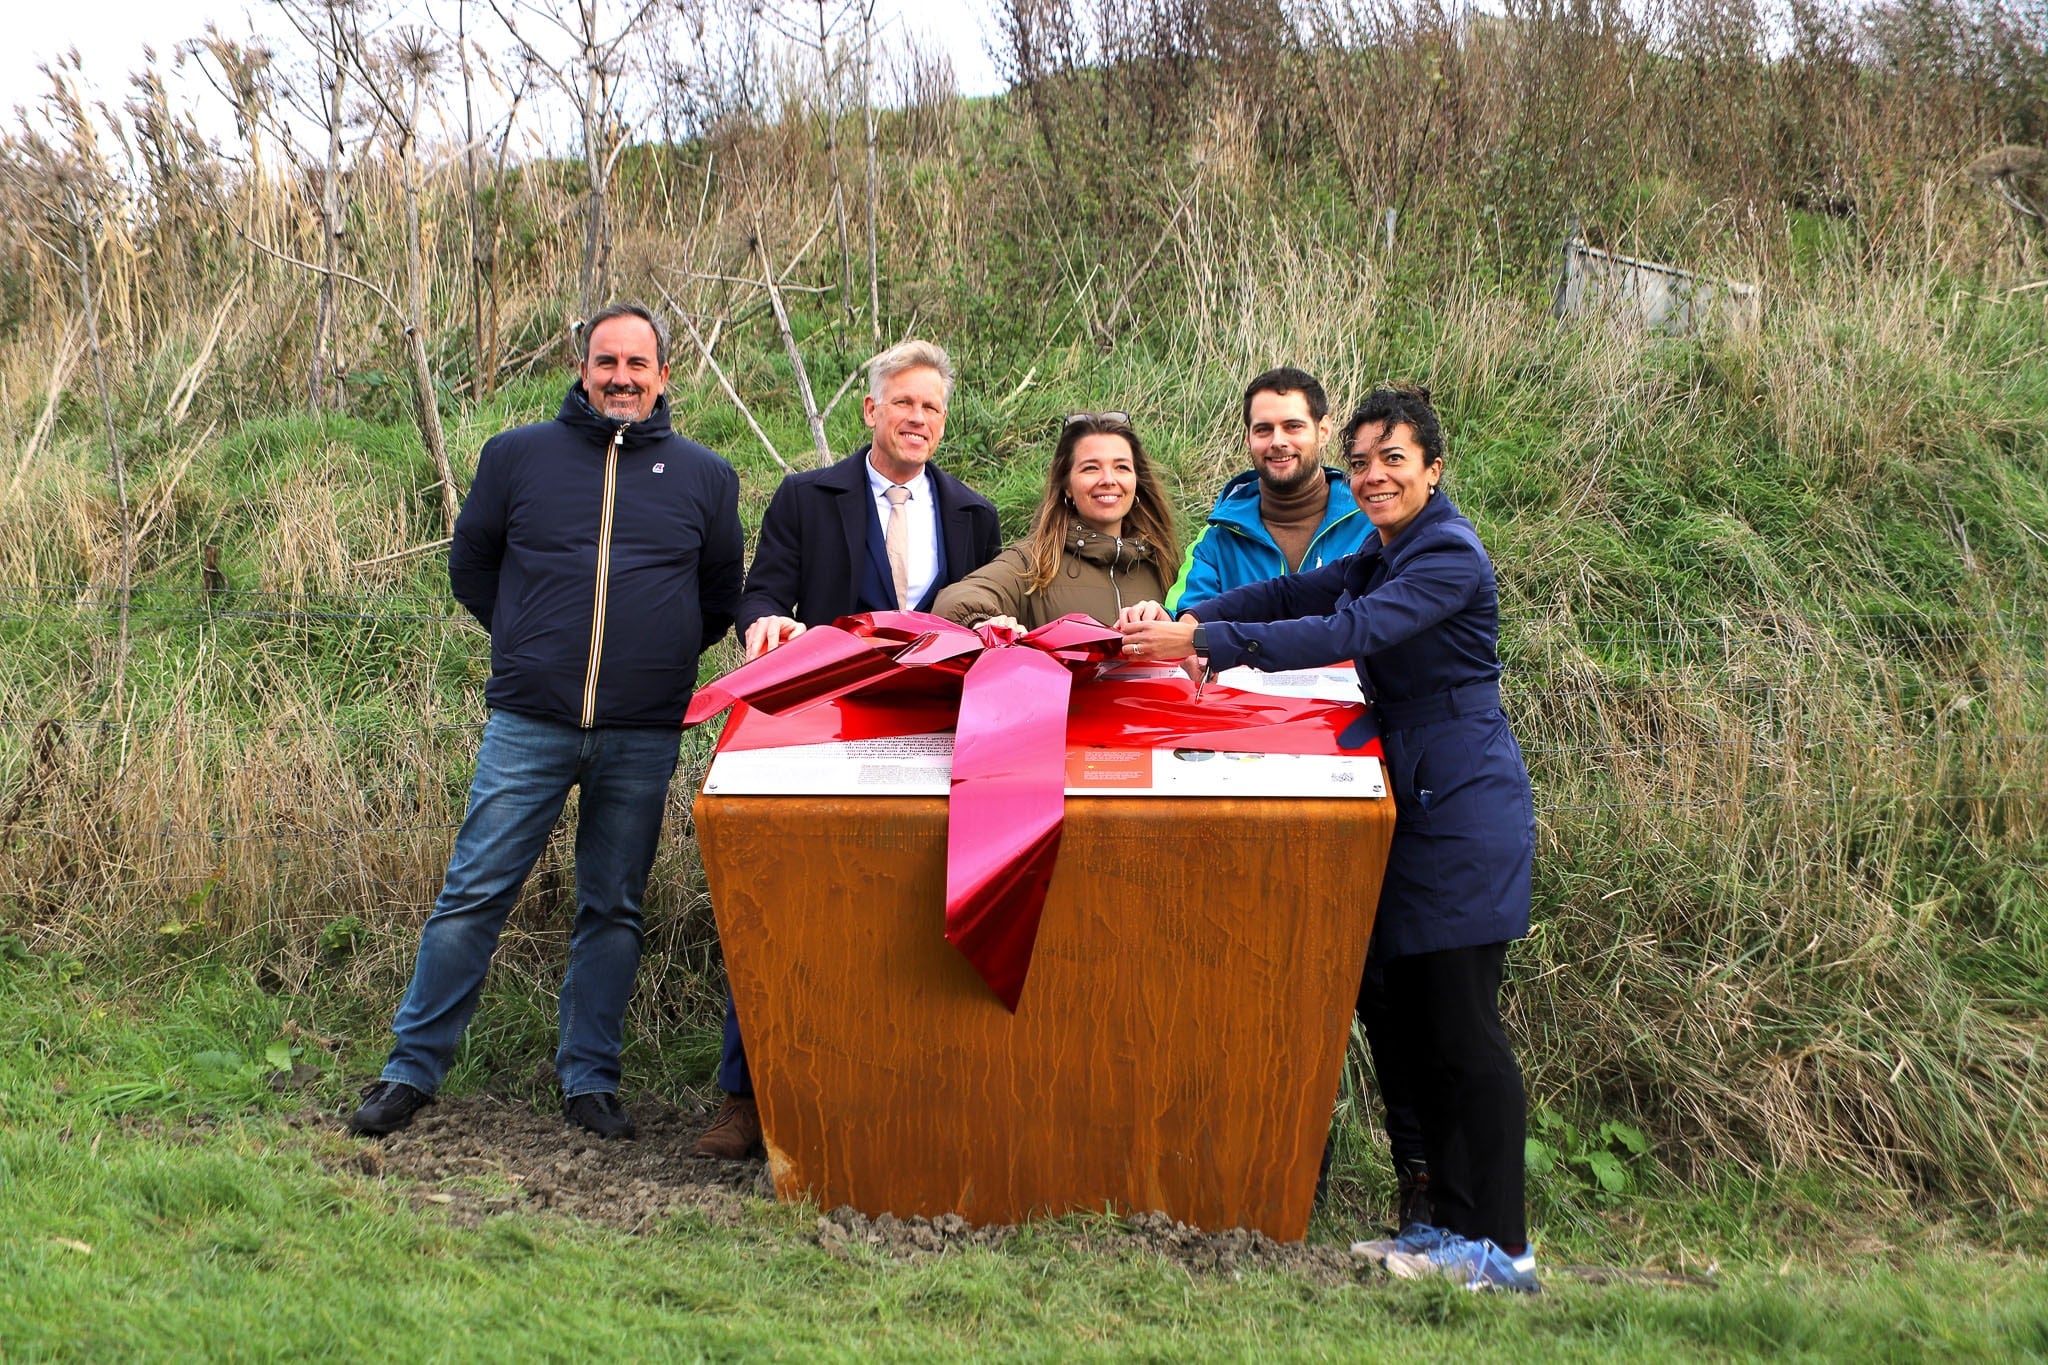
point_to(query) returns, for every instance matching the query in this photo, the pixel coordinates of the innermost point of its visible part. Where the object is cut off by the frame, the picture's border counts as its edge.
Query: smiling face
(622, 374)
(1390, 477)
(1286, 443)
(1103, 483)
(907, 420)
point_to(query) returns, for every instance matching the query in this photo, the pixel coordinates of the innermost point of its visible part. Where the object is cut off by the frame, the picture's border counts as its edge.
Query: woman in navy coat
(1417, 610)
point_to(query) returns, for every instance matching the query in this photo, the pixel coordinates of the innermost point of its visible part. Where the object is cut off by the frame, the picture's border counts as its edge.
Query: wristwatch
(1201, 638)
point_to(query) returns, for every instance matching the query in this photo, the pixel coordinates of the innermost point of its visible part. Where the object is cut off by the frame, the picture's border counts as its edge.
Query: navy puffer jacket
(603, 557)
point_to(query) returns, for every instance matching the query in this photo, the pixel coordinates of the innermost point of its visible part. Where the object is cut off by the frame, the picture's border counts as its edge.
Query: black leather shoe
(387, 1107)
(599, 1114)
(1411, 1198)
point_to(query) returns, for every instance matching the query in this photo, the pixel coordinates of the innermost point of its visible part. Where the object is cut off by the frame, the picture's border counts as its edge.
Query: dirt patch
(476, 1156)
(479, 1155)
(1215, 1253)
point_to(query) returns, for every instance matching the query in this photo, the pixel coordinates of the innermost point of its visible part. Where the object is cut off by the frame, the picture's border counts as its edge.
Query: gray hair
(909, 355)
(587, 329)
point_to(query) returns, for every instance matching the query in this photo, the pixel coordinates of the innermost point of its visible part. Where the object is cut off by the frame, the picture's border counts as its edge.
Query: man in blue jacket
(602, 551)
(1290, 513)
(885, 528)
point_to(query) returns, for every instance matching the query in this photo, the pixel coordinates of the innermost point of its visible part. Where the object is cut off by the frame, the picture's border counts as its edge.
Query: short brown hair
(587, 329)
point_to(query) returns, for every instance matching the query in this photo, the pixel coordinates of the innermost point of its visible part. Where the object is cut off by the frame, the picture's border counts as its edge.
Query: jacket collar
(851, 474)
(1238, 504)
(1096, 548)
(1434, 512)
(578, 415)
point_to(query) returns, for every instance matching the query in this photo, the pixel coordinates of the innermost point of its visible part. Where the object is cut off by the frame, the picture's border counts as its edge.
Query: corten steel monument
(1176, 1046)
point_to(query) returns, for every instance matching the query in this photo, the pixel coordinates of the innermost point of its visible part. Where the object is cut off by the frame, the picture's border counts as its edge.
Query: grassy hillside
(1772, 601)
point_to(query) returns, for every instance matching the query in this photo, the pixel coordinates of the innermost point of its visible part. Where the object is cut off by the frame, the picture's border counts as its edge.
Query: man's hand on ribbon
(771, 632)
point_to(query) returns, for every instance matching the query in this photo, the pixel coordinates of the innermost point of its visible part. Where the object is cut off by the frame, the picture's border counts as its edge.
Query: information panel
(922, 765)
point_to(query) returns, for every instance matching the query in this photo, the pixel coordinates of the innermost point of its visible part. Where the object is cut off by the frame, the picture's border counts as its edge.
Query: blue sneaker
(1417, 1239)
(1476, 1264)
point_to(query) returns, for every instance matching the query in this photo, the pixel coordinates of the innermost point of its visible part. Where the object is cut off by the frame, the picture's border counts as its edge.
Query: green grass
(154, 1201)
(1771, 640)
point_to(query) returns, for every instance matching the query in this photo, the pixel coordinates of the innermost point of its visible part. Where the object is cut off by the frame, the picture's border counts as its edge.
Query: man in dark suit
(883, 529)
(824, 546)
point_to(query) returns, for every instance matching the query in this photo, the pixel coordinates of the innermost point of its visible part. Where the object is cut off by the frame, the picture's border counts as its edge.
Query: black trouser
(1390, 1070)
(1444, 1027)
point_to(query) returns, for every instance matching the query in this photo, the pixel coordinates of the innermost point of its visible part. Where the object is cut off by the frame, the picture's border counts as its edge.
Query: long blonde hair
(1151, 520)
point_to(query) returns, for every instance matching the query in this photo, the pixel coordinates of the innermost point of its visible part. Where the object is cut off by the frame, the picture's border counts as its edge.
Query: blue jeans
(524, 770)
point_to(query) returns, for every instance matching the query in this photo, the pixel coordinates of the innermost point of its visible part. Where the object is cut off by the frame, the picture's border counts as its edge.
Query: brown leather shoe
(735, 1134)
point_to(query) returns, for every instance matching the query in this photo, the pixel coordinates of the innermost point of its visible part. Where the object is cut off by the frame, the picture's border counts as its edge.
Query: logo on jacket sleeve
(659, 466)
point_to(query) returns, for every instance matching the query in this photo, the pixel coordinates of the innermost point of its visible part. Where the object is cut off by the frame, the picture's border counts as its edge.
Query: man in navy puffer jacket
(602, 551)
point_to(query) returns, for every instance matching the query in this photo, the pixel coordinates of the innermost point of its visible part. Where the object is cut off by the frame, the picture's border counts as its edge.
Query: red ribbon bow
(893, 672)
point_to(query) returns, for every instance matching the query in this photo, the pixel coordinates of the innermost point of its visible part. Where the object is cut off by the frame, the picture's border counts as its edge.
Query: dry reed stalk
(159, 499)
(731, 393)
(68, 348)
(305, 547)
(819, 441)
(180, 401)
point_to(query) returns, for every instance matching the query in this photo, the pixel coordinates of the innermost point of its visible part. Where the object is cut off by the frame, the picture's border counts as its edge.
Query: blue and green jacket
(1236, 548)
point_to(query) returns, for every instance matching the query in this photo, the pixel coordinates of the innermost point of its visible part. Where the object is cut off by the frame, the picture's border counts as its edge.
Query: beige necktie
(896, 542)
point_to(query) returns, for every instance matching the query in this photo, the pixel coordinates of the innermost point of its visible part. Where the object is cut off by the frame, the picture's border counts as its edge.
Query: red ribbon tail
(1004, 816)
(996, 927)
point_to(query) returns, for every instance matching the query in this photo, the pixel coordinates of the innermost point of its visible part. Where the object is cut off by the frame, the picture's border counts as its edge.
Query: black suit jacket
(807, 562)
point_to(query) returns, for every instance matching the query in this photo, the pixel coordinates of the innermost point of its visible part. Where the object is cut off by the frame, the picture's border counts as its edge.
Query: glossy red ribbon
(1015, 703)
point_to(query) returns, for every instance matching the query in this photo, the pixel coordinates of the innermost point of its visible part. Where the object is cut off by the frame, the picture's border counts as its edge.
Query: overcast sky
(110, 36)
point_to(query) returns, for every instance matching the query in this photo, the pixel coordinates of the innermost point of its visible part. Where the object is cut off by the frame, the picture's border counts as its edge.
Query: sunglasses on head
(1120, 419)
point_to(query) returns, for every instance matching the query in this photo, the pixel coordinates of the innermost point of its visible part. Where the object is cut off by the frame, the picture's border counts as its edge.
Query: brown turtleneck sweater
(1292, 518)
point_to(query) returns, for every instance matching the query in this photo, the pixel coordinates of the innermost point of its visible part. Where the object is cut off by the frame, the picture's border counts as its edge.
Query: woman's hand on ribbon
(1156, 640)
(1140, 612)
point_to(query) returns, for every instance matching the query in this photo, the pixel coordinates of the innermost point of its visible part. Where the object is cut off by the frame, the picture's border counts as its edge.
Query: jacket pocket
(1407, 777)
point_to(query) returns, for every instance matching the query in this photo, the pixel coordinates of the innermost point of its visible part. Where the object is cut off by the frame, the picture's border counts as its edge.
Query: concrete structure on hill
(1658, 298)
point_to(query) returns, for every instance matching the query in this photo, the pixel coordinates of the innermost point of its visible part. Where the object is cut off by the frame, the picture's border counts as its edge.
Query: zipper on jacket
(1116, 589)
(604, 575)
(1250, 539)
(1315, 539)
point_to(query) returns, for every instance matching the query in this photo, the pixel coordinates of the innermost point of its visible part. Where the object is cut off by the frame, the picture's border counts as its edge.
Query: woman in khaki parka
(1102, 537)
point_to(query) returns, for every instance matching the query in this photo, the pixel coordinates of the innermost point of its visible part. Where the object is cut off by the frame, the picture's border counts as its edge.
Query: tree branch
(272, 251)
(724, 383)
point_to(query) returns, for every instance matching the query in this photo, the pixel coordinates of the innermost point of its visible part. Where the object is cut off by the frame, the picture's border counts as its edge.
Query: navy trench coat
(1421, 620)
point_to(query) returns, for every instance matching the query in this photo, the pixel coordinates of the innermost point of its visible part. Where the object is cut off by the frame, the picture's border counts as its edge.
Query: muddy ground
(476, 1156)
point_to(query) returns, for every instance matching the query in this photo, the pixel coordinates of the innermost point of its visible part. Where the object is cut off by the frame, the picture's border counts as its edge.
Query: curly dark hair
(1400, 405)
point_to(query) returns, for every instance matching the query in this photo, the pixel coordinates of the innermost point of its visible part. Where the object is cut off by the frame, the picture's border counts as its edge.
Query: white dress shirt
(922, 509)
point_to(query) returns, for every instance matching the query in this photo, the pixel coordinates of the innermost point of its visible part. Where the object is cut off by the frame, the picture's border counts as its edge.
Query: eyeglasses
(1118, 419)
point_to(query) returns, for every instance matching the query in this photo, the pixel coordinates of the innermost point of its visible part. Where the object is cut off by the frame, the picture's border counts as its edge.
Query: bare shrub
(924, 92)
